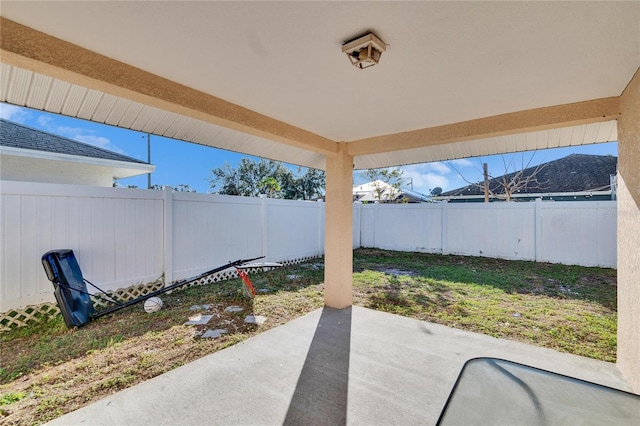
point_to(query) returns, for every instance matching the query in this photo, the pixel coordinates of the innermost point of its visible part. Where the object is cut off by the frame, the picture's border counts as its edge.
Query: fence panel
(211, 230)
(292, 229)
(580, 232)
(114, 233)
(404, 227)
(124, 237)
(494, 230)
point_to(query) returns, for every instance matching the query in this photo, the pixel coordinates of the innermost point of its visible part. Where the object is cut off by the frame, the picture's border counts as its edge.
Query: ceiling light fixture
(365, 51)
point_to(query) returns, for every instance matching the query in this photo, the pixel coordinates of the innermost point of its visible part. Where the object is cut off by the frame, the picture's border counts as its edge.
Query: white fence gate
(124, 237)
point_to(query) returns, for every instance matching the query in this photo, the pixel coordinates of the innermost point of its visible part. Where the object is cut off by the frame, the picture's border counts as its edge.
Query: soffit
(26, 88)
(447, 62)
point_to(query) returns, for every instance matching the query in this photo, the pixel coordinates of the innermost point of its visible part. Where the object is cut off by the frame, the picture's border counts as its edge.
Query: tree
(117, 184)
(227, 178)
(181, 187)
(271, 185)
(308, 186)
(386, 183)
(516, 178)
(246, 179)
(251, 178)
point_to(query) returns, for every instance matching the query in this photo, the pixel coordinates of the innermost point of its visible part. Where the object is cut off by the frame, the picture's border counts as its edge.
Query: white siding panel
(143, 118)
(591, 133)
(194, 132)
(19, 87)
(165, 123)
(577, 135)
(534, 140)
(130, 115)
(180, 127)
(38, 91)
(154, 120)
(554, 138)
(104, 108)
(117, 111)
(6, 73)
(89, 104)
(57, 96)
(74, 100)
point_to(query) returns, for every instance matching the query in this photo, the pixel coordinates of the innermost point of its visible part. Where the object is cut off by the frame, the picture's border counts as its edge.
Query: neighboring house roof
(375, 191)
(379, 191)
(81, 162)
(571, 174)
(18, 136)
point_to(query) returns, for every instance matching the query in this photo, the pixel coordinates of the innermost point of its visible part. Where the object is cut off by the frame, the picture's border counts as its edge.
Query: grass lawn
(47, 370)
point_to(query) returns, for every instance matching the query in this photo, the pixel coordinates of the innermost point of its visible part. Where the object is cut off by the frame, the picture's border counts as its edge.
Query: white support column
(338, 269)
(628, 195)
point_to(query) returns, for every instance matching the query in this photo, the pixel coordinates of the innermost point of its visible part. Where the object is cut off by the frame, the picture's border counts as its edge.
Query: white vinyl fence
(580, 232)
(124, 237)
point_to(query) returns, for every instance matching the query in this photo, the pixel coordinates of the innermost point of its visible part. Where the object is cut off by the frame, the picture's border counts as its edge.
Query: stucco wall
(26, 169)
(629, 234)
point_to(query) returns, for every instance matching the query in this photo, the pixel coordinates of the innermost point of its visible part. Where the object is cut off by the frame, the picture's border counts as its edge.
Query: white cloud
(462, 162)
(44, 121)
(427, 182)
(14, 113)
(98, 141)
(77, 133)
(435, 167)
(422, 180)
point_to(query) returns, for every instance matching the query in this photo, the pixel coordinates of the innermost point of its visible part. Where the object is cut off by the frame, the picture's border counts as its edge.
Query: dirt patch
(394, 272)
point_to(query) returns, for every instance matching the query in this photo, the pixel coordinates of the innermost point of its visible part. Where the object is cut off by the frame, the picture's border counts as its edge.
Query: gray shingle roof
(574, 173)
(18, 136)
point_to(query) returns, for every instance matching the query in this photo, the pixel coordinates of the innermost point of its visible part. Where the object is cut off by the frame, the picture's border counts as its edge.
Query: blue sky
(180, 162)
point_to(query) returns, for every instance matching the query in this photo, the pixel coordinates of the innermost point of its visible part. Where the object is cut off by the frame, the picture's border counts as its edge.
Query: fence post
(167, 241)
(356, 226)
(376, 214)
(320, 235)
(538, 228)
(264, 214)
(443, 227)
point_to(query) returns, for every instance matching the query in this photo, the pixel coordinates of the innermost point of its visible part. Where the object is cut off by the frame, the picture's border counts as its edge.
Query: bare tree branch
(512, 181)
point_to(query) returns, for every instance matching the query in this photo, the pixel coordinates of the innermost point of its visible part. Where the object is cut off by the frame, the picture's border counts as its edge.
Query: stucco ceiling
(446, 62)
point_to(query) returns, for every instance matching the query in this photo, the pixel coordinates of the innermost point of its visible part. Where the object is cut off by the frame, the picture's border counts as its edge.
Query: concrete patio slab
(353, 366)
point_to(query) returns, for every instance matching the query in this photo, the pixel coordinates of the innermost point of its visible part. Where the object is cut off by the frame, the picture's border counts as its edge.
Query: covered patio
(349, 366)
(270, 79)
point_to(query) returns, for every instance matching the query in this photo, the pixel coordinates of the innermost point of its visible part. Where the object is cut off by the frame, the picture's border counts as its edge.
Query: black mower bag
(63, 271)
